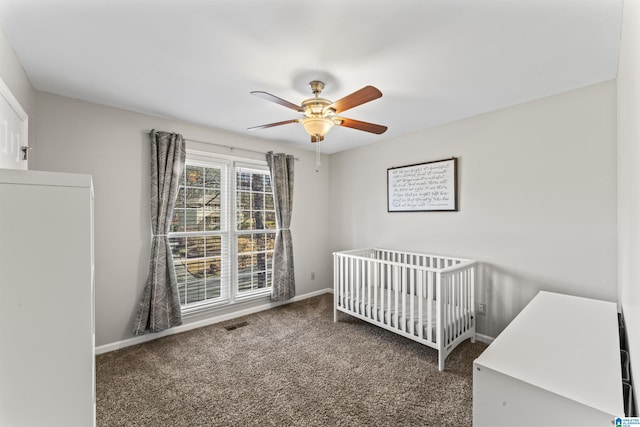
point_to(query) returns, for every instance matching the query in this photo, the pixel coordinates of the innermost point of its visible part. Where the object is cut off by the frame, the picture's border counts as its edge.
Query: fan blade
(359, 97)
(270, 125)
(273, 98)
(357, 124)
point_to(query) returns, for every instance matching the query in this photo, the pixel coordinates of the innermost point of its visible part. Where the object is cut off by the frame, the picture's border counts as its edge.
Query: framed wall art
(423, 187)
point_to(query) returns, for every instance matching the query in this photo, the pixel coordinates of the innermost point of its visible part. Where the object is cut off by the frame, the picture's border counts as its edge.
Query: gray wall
(112, 146)
(537, 190)
(537, 193)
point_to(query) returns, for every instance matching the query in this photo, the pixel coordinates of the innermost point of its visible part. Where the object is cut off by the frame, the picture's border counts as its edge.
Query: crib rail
(436, 262)
(427, 298)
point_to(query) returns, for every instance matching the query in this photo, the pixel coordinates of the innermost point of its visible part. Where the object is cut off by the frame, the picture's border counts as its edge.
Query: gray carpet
(289, 366)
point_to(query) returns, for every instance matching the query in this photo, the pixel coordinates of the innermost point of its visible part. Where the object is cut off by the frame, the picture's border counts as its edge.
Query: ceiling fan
(320, 114)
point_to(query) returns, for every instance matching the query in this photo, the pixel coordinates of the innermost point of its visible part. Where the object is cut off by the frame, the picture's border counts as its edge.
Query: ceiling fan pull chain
(318, 157)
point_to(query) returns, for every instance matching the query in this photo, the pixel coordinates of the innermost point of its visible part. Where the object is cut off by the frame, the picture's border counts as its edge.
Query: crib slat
(467, 299)
(365, 291)
(347, 283)
(455, 281)
(359, 281)
(345, 273)
(341, 262)
(367, 287)
(369, 284)
(439, 308)
(430, 284)
(457, 315)
(383, 283)
(352, 284)
(387, 296)
(375, 285)
(421, 284)
(358, 299)
(442, 319)
(470, 285)
(392, 286)
(452, 308)
(356, 285)
(337, 272)
(361, 296)
(460, 303)
(412, 301)
(472, 308)
(465, 307)
(403, 292)
(446, 325)
(396, 281)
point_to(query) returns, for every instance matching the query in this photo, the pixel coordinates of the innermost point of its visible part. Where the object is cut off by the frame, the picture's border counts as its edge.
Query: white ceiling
(435, 61)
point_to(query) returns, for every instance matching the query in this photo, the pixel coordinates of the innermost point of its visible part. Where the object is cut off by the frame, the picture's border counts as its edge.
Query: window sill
(253, 295)
(199, 310)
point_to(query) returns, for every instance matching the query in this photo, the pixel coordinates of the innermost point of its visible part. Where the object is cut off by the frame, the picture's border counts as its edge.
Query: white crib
(426, 298)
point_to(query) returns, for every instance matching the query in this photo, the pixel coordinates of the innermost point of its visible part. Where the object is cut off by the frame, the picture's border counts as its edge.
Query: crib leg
(441, 361)
(473, 339)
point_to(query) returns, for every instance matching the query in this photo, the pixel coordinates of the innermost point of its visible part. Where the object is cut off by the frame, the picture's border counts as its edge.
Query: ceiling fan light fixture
(320, 114)
(317, 126)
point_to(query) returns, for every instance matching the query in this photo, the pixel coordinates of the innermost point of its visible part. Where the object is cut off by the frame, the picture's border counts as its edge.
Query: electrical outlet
(482, 308)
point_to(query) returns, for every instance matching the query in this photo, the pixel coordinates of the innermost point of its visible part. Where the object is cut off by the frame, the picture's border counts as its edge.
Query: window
(255, 229)
(223, 232)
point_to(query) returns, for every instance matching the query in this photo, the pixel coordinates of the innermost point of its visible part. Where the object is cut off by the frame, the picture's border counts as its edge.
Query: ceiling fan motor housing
(317, 107)
(316, 87)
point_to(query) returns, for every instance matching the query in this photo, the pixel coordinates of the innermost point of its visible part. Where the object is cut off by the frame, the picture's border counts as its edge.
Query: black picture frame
(423, 187)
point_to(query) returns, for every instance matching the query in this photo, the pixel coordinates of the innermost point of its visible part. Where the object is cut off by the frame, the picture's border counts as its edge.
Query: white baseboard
(484, 338)
(206, 322)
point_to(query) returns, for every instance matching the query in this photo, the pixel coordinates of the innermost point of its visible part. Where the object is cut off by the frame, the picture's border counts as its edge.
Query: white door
(13, 131)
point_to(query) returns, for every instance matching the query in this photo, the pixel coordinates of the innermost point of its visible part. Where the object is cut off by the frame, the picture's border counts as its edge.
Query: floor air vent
(236, 326)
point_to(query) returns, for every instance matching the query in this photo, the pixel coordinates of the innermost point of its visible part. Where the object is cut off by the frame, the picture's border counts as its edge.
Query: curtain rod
(229, 147)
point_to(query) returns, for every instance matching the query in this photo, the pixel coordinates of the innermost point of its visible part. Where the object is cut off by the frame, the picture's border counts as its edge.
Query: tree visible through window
(255, 229)
(216, 259)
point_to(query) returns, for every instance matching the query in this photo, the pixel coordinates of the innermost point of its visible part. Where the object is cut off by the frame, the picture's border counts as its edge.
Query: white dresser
(47, 357)
(556, 364)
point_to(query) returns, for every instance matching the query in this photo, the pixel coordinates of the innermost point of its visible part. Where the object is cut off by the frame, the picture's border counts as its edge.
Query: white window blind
(223, 232)
(255, 228)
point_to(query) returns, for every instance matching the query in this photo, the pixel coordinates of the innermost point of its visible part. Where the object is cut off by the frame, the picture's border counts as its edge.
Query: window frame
(230, 293)
(226, 278)
(239, 296)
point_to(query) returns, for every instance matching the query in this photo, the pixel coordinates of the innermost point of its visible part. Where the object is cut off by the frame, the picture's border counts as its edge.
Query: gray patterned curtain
(281, 169)
(159, 307)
